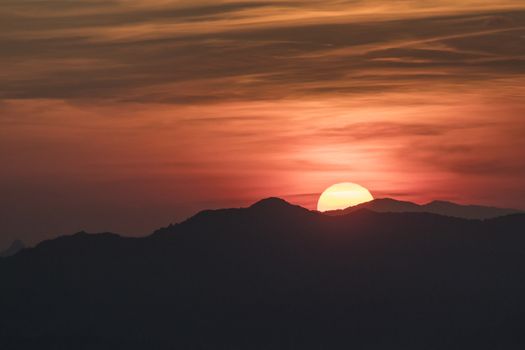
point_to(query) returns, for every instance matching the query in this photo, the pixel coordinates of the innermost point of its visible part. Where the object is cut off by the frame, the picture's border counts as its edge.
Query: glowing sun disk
(343, 195)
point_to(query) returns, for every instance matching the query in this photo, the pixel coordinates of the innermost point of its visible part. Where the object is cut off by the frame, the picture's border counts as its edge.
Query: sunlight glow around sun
(343, 195)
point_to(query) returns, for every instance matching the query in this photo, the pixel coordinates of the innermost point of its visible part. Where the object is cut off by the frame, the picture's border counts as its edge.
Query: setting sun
(343, 195)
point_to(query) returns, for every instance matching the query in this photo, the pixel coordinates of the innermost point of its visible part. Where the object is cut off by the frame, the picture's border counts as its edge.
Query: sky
(128, 115)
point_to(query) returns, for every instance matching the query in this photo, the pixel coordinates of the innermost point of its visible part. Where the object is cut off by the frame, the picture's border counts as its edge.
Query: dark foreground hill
(274, 276)
(389, 205)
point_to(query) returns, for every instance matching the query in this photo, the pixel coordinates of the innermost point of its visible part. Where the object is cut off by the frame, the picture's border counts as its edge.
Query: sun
(343, 195)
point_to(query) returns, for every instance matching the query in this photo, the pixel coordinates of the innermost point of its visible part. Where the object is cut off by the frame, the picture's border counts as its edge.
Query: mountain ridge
(13, 249)
(439, 207)
(274, 276)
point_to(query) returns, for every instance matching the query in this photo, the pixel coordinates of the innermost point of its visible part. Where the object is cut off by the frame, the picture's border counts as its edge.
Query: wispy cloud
(187, 52)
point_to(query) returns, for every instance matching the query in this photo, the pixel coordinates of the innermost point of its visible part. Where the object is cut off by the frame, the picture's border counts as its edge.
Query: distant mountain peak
(14, 248)
(276, 206)
(271, 202)
(385, 199)
(440, 207)
(388, 200)
(270, 209)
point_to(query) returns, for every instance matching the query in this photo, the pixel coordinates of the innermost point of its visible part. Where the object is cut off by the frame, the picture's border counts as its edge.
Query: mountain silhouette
(435, 207)
(274, 276)
(14, 248)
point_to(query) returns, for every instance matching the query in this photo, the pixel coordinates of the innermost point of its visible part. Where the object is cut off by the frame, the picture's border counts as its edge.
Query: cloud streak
(168, 52)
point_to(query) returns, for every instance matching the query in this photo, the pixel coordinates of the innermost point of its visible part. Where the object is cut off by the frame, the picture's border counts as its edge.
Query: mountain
(274, 276)
(435, 207)
(14, 248)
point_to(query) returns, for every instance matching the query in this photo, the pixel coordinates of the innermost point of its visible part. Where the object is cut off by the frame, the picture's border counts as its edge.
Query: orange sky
(129, 115)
